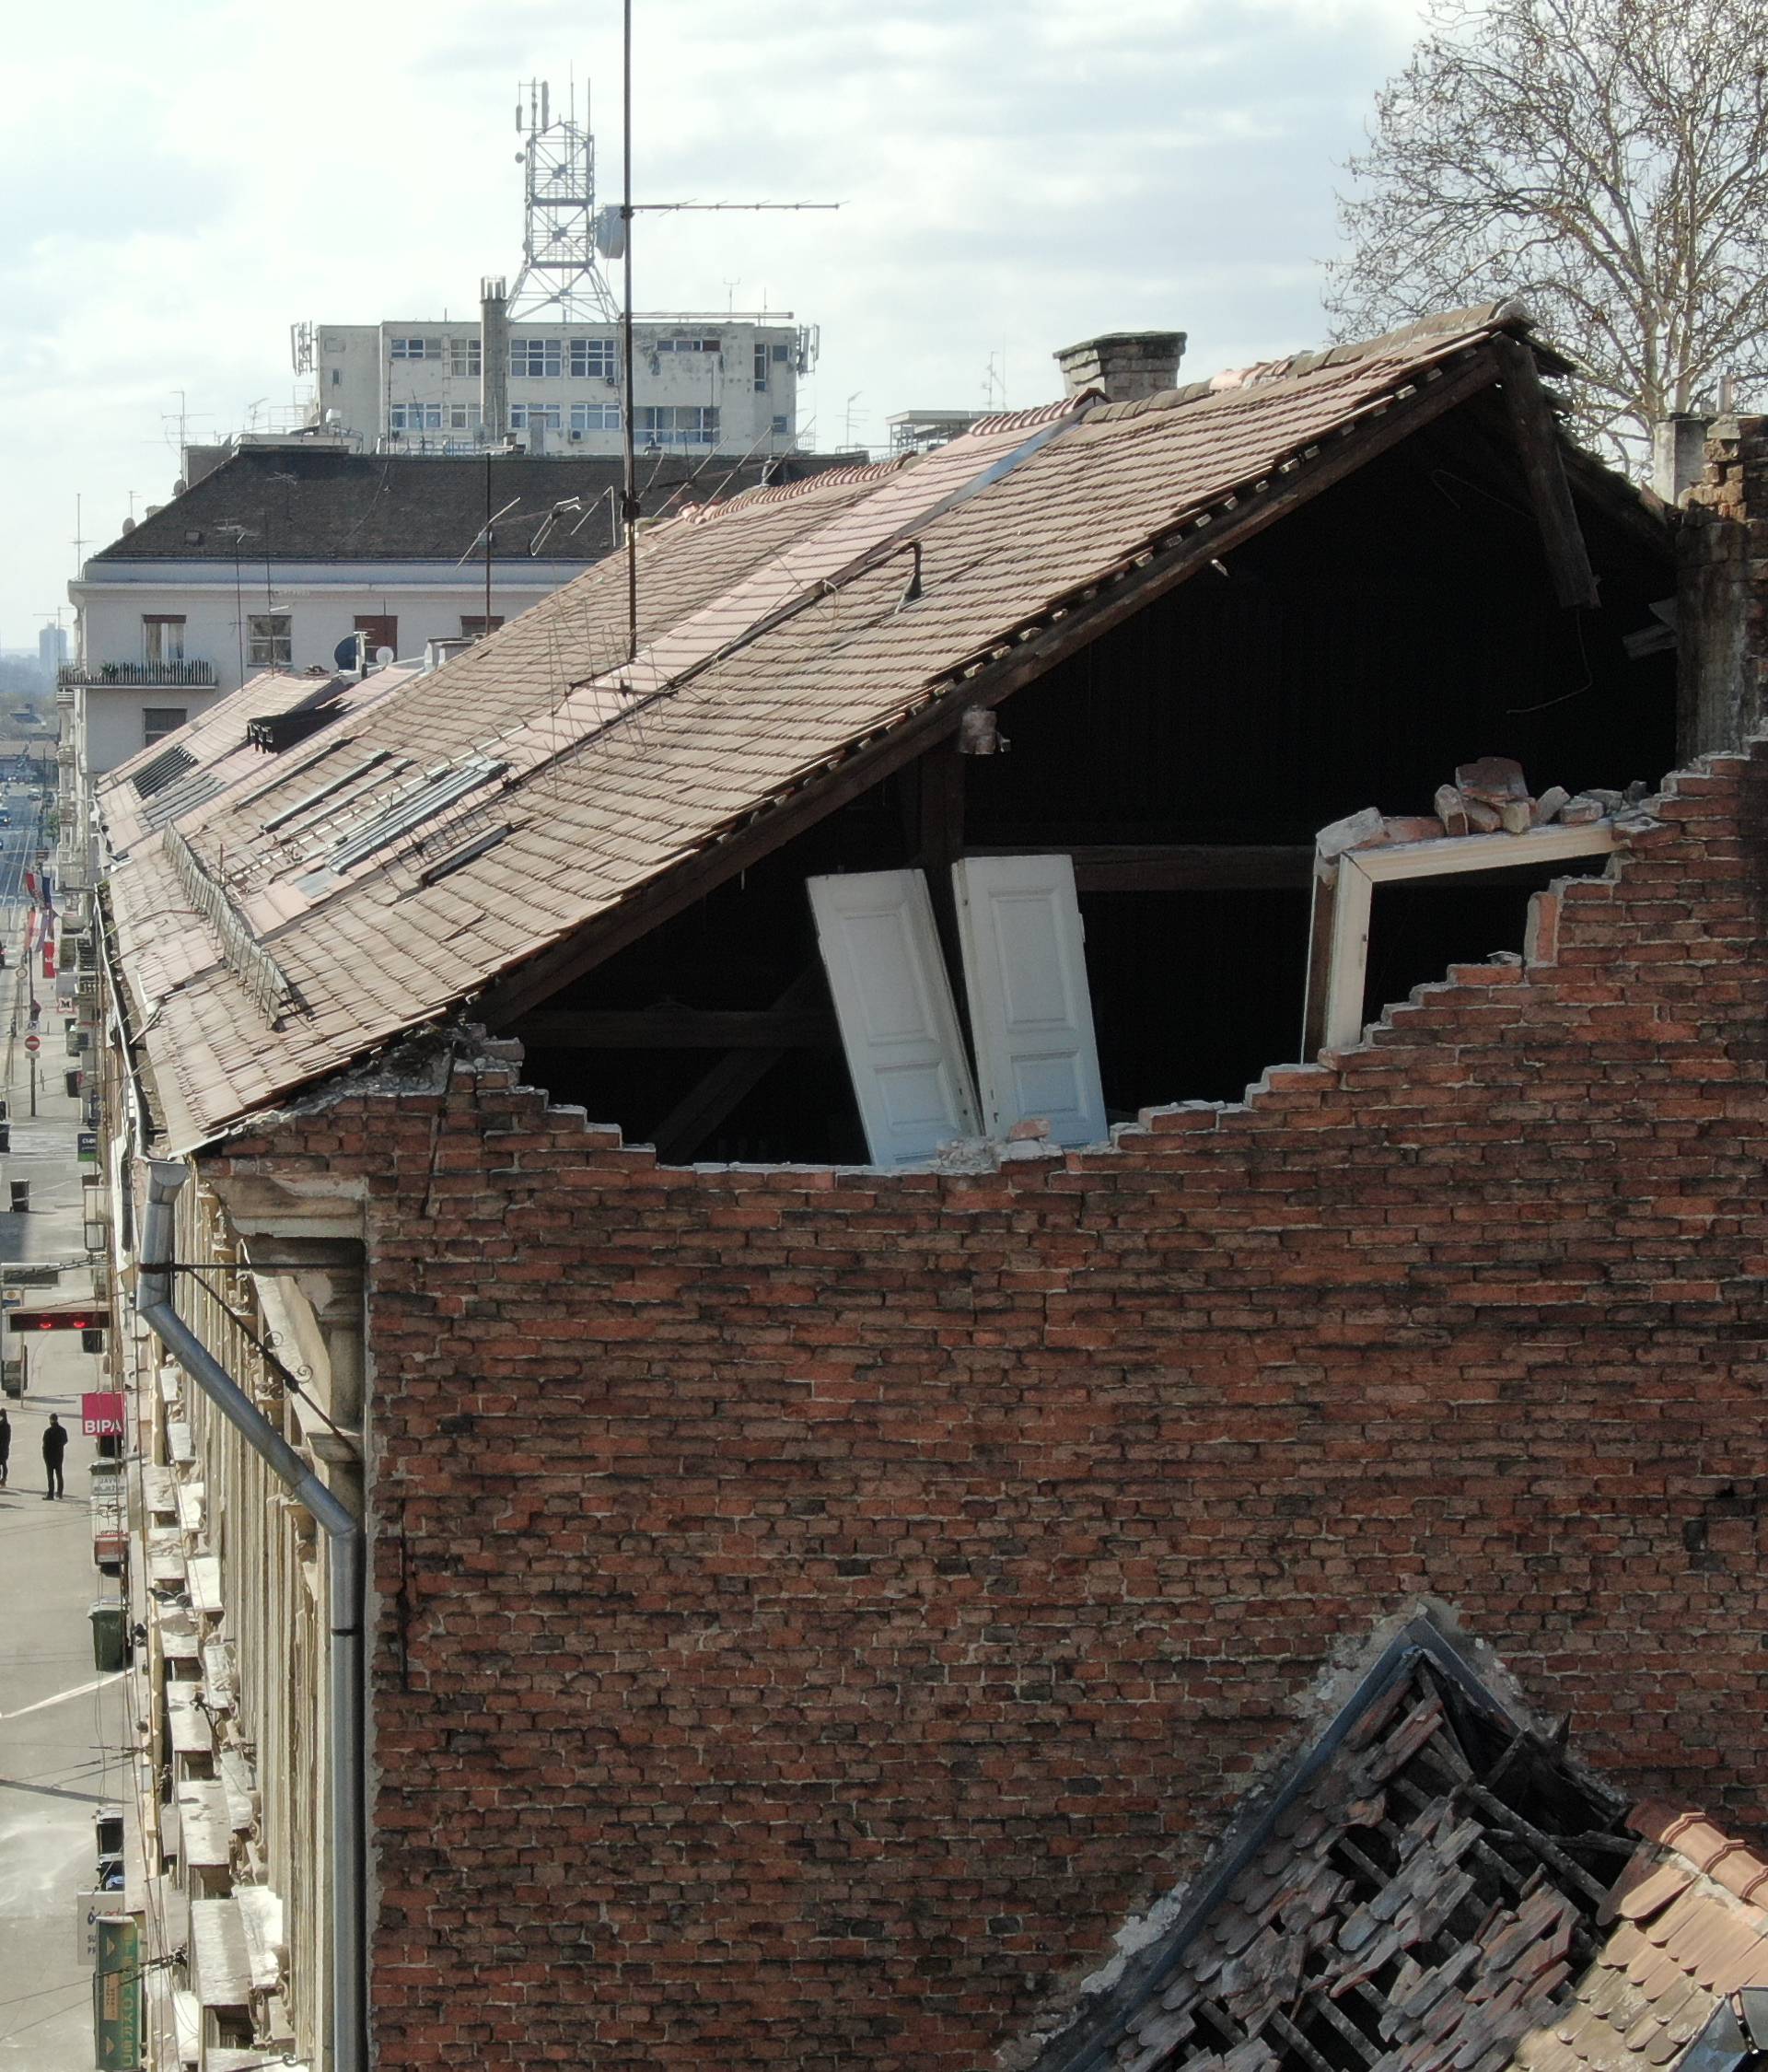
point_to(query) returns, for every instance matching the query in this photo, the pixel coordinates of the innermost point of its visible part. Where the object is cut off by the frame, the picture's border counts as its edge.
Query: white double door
(1025, 980)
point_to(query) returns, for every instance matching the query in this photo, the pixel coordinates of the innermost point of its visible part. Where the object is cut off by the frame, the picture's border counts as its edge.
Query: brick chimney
(1678, 454)
(1126, 364)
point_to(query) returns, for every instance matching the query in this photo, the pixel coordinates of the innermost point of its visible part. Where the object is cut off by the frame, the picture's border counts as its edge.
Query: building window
(592, 359)
(269, 640)
(158, 721)
(534, 359)
(476, 628)
(780, 355)
(162, 636)
(463, 417)
(415, 348)
(760, 367)
(782, 427)
(535, 417)
(414, 417)
(463, 357)
(594, 417)
(687, 345)
(337, 377)
(676, 425)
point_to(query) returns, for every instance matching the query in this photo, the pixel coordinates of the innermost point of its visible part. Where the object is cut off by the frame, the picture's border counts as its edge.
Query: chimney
(1127, 365)
(494, 361)
(1678, 454)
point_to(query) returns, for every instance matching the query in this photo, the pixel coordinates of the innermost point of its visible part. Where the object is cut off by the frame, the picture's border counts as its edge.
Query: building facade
(701, 384)
(288, 549)
(872, 1410)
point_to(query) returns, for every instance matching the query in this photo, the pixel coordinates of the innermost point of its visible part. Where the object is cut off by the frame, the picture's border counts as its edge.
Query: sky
(184, 181)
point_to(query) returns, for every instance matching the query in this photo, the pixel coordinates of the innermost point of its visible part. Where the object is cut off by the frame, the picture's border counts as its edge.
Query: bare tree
(1607, 161)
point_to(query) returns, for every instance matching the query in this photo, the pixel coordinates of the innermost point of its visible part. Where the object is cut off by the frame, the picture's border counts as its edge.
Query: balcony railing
(150, 676)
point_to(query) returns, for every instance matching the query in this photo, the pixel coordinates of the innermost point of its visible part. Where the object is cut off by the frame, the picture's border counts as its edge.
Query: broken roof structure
(1436, 1887)
(494, 830)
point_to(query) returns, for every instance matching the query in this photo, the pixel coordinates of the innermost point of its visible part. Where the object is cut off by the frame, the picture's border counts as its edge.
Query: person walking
(6, 1445)
(54, 1446)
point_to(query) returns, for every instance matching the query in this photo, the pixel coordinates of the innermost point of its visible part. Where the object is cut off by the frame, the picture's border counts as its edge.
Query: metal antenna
(629, 490)
(559, 275)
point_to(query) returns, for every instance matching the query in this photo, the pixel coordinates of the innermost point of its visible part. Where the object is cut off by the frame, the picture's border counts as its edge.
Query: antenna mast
(559, 277)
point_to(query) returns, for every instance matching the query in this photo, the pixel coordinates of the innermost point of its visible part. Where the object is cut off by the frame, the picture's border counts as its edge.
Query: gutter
(343, 1535)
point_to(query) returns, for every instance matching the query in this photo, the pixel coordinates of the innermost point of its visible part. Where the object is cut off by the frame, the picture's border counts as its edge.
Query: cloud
(1014, 174)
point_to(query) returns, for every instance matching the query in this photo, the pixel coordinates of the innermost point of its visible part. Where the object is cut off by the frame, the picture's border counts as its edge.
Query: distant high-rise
(51, 650)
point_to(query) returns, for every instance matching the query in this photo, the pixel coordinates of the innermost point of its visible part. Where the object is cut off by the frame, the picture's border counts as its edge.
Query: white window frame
(413, 348)
(465, 358)
(536, 416)
(266, 647)
(524, 351)
(1344, 894)
(159, 721)
(593, 359)
(594, 417)
(162, 636)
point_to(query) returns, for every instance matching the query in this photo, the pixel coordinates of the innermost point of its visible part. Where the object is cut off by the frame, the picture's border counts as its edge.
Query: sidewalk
(61, 1727)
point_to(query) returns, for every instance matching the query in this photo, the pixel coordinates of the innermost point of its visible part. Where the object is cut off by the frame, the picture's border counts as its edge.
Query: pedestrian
(54, 1446)
(6, 1445)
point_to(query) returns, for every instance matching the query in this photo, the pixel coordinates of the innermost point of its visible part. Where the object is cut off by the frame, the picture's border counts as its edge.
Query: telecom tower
(559, 277)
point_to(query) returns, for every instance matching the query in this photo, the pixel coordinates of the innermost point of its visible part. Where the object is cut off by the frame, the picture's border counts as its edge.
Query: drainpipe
(345, 1547)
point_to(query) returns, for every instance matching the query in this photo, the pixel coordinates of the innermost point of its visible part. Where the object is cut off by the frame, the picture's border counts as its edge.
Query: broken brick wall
(816, 1607)
(1722, 584)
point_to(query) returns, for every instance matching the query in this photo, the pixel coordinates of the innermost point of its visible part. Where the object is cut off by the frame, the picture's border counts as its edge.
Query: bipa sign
(101, 1414)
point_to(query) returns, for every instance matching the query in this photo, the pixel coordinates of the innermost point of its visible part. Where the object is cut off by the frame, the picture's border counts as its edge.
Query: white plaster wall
(322, 605)
(115, 726)
(367, 380)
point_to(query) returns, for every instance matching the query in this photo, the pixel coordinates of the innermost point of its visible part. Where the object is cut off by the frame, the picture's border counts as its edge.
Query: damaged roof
(494, 814)
(1441, 1890)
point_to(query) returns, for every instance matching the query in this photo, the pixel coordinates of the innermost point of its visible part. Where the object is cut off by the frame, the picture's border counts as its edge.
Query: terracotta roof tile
(779, 633)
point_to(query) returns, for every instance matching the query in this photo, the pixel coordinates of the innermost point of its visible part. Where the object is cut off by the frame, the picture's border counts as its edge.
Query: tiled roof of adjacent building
(401, 861)
(297, 503)
(1438, 1893)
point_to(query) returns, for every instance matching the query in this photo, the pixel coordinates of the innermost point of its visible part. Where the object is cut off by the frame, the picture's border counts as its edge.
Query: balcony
(141, 675)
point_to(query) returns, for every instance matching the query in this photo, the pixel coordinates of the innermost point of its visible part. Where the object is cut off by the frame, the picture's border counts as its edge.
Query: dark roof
(1435, 1890)
(306, 506)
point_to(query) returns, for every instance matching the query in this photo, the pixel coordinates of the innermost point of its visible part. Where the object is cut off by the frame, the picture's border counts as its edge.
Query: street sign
(33, 1042)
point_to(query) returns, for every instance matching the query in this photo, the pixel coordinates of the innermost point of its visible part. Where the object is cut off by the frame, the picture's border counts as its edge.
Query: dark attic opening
(1124, 856)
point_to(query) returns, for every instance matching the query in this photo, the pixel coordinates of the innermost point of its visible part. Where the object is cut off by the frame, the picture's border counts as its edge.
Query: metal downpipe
(344, 1551)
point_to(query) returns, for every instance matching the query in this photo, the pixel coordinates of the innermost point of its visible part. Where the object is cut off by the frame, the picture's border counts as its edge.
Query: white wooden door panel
(893, 1006)
(1031, 1011)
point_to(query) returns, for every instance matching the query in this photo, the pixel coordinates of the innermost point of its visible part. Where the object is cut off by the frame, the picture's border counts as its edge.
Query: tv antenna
(611, 236)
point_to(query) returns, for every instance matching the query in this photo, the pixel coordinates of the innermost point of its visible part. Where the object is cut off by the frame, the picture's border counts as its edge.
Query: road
(60, 1724)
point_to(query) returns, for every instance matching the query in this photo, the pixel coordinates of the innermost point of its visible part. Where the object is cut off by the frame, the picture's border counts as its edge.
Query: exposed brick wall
(1722, 628)
(817, 1606)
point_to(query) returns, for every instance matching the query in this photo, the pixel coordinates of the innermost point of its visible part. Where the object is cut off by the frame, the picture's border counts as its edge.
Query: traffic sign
(33, 1042)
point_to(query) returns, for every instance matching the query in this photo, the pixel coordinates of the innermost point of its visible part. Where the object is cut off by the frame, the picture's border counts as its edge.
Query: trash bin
(108, 1634)
(20, 1196)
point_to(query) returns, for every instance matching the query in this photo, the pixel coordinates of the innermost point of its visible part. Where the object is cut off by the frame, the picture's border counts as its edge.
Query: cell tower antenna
(560, 277)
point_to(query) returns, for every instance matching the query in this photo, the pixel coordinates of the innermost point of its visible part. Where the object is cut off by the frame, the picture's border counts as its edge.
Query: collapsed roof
(1437, 1888)
(492, 826)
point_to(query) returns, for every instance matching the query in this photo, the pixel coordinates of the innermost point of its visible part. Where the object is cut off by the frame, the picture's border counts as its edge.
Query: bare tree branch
(1605, 159)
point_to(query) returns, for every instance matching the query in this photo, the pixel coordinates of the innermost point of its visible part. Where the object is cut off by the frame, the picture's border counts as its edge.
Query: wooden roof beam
(1537, 445)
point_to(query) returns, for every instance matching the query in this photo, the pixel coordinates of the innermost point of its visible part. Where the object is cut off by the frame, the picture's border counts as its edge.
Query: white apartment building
(701, 384)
